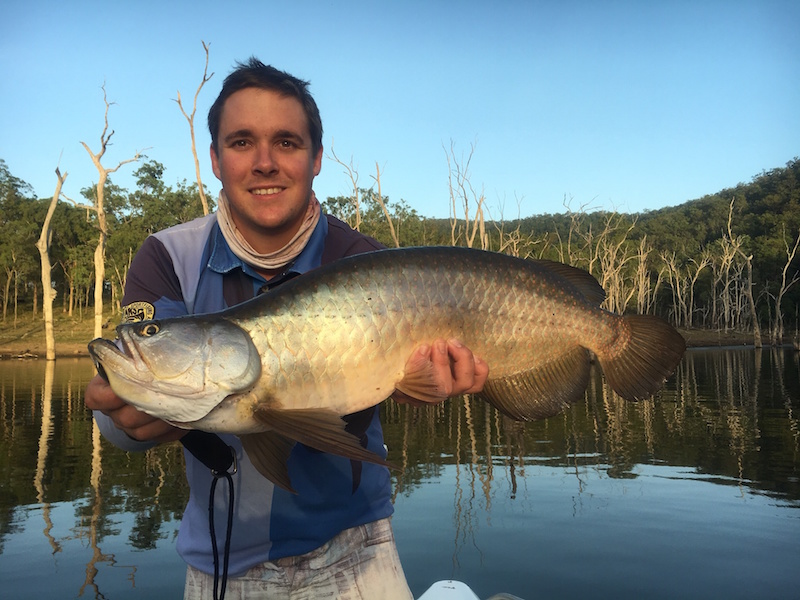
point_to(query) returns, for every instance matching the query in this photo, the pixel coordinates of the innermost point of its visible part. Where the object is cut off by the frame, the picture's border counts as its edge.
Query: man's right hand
(136, 424)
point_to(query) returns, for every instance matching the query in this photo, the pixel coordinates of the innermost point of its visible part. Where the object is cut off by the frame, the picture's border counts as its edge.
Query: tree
(347, 209)
(786, 283)
(190, 119)
(462, 196)
(17, 218)
(100, 212)
(48, 293)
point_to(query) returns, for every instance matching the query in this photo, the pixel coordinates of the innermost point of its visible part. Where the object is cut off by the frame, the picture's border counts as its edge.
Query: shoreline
(695, 338)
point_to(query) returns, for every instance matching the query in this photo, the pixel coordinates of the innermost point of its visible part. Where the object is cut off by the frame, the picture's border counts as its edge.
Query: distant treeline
(726, 261)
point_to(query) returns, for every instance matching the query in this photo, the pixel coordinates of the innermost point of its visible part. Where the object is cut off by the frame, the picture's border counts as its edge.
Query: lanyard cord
(220, 459)
(227, 549)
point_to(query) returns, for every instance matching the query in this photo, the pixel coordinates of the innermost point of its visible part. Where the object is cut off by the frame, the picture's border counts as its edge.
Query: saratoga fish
(287, 365)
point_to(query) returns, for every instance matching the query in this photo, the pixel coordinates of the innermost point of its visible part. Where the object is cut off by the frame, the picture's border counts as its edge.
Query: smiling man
(333, 538)
(267, 161)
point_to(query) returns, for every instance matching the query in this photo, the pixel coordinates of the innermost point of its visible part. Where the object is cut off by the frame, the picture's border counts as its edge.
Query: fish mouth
(94, 346)
(102, 350)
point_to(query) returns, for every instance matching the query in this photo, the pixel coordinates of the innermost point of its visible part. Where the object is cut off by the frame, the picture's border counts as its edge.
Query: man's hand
(136, 424)
(453, 368)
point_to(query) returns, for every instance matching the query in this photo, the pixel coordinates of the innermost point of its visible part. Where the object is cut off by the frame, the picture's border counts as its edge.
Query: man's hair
(255, 74)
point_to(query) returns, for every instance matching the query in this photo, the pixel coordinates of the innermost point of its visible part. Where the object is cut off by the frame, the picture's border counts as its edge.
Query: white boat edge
(449, 589)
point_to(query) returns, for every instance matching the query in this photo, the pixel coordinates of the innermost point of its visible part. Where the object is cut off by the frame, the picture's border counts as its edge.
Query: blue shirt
(190, 269)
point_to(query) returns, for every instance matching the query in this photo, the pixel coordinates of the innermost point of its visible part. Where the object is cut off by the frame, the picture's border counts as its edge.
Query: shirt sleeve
(152, 288)
(118, 437)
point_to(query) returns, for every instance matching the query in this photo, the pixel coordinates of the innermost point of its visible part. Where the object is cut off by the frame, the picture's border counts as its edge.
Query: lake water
(693, 494)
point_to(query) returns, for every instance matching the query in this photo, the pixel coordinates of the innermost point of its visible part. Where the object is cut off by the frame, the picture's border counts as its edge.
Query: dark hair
(255, 74)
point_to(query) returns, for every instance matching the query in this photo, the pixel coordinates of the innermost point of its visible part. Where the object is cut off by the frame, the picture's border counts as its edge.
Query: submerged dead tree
(462, 197)
(737, 242)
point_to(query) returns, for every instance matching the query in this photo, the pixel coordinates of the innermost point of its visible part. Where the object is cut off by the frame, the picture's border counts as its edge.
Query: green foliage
(132, 216)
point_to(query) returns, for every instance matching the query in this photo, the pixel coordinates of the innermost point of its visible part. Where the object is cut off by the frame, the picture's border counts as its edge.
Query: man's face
(266, 165)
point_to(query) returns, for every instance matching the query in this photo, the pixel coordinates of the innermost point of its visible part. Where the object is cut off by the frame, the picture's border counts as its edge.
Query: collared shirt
(189, 269)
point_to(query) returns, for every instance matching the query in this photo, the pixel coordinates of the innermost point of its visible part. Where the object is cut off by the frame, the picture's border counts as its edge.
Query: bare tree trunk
(99, 209)
(352, 173)
(7, 291)
(736, 243)
(48, 293)
(777, 337)
(190, 119)
(461, 191)
(386, 214)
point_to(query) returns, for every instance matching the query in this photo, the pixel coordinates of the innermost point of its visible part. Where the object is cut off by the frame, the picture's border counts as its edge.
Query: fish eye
(149, 329)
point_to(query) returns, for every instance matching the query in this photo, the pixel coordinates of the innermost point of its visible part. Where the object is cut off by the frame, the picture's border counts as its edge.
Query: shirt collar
(223, 260)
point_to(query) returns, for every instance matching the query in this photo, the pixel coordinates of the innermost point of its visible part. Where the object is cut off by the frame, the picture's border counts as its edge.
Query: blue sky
(626, 105)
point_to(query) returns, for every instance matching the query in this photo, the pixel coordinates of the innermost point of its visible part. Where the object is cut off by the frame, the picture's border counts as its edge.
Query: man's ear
(318, 162)
(214, 161)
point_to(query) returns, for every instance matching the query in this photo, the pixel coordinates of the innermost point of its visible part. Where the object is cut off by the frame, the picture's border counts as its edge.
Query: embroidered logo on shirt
(138, 311)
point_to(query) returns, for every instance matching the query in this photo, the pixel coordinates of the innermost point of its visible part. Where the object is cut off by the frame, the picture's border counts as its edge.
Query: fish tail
(643, 357)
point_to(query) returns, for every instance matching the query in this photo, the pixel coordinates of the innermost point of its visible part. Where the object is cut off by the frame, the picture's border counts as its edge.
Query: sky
(616, 105)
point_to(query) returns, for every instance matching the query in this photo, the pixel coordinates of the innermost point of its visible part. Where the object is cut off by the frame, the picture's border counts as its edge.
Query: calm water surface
(694, 494)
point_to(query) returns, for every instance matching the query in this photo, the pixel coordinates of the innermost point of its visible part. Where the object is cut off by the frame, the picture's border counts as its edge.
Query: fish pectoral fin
(419, 380)
(318, 428)
(542, 392)
(269, 453)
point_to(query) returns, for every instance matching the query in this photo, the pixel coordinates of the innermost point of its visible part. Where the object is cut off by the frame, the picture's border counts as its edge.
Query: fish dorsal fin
(318, 428)
(585, 283)
(541, 392)
(269, 452)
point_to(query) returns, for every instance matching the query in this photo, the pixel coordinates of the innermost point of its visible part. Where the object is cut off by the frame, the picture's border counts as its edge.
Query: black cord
(227, 550)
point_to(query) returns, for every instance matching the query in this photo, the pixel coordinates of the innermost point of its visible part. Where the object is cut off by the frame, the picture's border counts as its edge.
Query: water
(694, 494)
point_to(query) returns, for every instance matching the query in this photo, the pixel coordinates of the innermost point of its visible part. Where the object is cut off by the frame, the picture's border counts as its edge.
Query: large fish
(285, 366)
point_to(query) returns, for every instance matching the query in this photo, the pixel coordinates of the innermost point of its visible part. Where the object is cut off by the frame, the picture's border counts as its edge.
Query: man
(333, 538)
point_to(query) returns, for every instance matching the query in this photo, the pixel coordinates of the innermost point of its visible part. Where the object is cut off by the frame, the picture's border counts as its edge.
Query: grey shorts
(358, 564)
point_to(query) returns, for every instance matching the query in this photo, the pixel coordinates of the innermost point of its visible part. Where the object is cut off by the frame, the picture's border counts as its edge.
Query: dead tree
(392, 231)
(786, 283)
(48, 293)
(98, 207)
(190, 119)
(463, 193)
(642, 282)
(352, 173)
(736, 242)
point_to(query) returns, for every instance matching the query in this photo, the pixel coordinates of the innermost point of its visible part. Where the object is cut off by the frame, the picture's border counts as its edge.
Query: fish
(286, 366)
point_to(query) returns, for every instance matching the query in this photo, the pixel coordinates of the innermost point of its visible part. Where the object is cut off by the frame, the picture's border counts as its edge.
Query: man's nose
(264, 160)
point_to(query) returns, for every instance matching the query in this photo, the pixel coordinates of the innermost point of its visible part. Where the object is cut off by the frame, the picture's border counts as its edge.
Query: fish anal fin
(317, 428)
(541, 392)
(269, 452)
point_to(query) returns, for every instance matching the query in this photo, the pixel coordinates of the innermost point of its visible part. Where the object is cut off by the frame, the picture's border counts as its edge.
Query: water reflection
(78, 518)
(720, 415)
